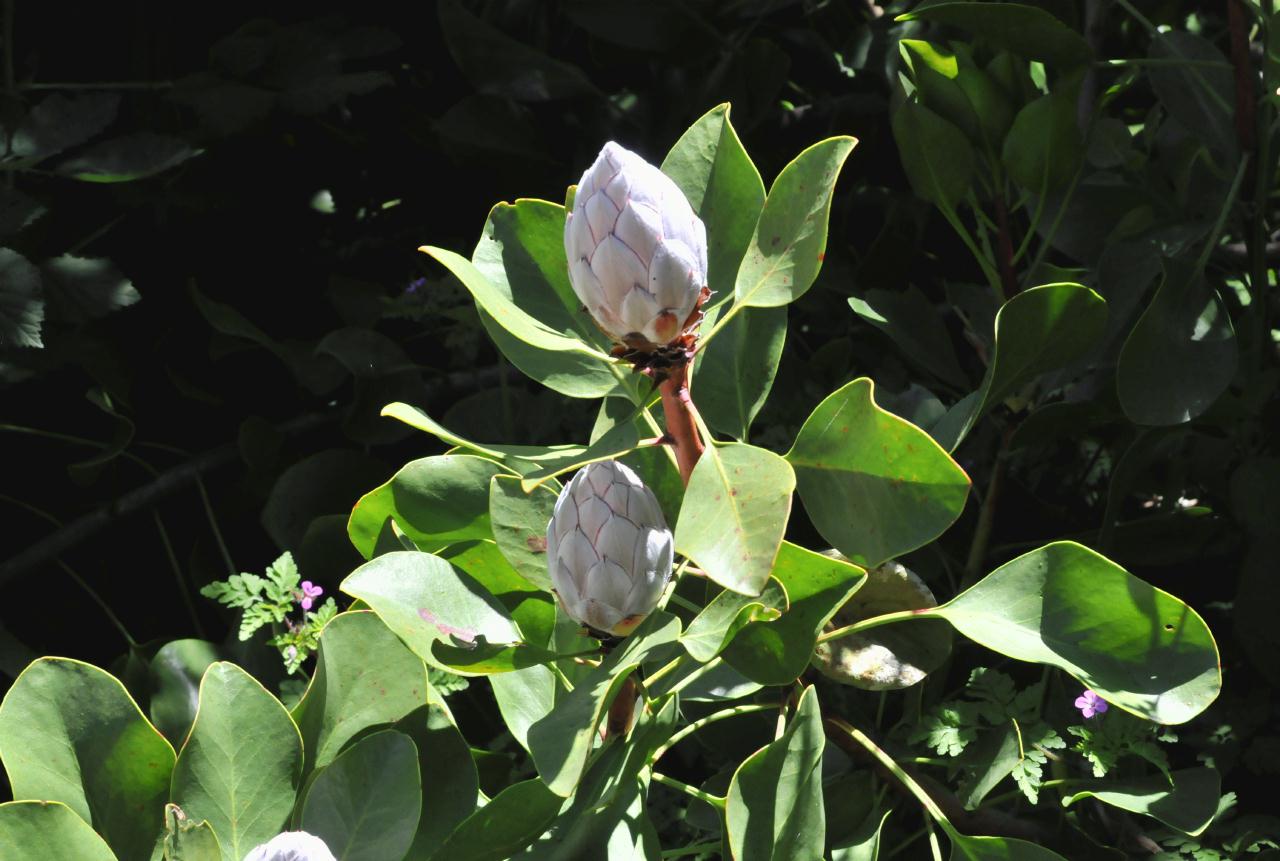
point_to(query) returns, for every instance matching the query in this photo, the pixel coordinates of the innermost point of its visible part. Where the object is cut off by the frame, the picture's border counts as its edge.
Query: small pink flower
(309, 593)
(1091, 704)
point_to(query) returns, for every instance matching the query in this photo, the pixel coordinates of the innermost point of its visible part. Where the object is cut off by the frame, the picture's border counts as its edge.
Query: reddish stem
(1245, 96)
(682, 430)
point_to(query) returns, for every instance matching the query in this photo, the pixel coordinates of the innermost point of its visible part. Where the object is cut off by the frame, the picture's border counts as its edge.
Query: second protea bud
(637, 252)
(608, 548)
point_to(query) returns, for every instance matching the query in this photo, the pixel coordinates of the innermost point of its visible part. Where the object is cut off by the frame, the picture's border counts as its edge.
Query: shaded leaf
(1038, 330)
(496, 63)
(365, 804)
(70, 732)
(1188, 805)
(21, 301)
(1021, 29)
(175, 672)
(1182, 353)
(774, 806)
(84, 288)
(128, 158)
(777, 652)
(936, 155)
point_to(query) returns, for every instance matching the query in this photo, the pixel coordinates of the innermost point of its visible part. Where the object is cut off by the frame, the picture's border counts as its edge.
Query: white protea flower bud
(608, 548)
(637, 252)
(291, 846)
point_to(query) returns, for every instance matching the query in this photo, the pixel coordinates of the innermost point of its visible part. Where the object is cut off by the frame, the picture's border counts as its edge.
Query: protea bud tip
(608, 548)
(637, 252)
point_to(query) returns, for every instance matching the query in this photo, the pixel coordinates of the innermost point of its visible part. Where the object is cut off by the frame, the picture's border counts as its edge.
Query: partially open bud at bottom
(609, 550)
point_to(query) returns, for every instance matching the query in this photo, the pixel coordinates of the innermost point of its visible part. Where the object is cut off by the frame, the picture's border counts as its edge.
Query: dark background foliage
(293, 163)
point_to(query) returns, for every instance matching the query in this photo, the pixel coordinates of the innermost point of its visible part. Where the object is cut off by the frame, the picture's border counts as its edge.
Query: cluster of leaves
(1086, 329)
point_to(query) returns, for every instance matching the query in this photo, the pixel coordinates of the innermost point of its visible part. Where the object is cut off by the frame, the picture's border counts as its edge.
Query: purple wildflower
(309, 593)
(1091, 704)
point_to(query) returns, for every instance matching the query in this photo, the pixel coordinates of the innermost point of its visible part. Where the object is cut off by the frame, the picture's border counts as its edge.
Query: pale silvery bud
(608, 548)
(637, 252)
(291, 846)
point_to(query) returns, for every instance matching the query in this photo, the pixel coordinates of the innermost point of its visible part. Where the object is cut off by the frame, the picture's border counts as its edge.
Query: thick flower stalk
(637, 255)
(609, 549)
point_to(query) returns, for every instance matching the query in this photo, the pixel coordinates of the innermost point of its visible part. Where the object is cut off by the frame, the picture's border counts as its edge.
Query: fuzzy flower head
(637, 251)
(310, 592)
(291, 846)
(1091, 704)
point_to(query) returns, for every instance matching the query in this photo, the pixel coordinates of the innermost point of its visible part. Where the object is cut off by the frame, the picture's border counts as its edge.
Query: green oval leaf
(777, 652)
(1044, 145)
(1020, 29)
(176, 671)
(561, 741)
(738, 367)
(1038, 330)
(450, 787)
(510, 316)
(875, 485)
(521, 255)
(70, 732)
(936, 155)
(735, 513)
(365, 804)
(790, 239)
(728, 613)
(41, 830)
(711, 167)
(774, 807)
(1064, 605)
(1189, 804)
(364, 677)
(1181, 355)
(520, 521)
(424, 600)
(435, 500)
(511, 821)
(240, 766)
